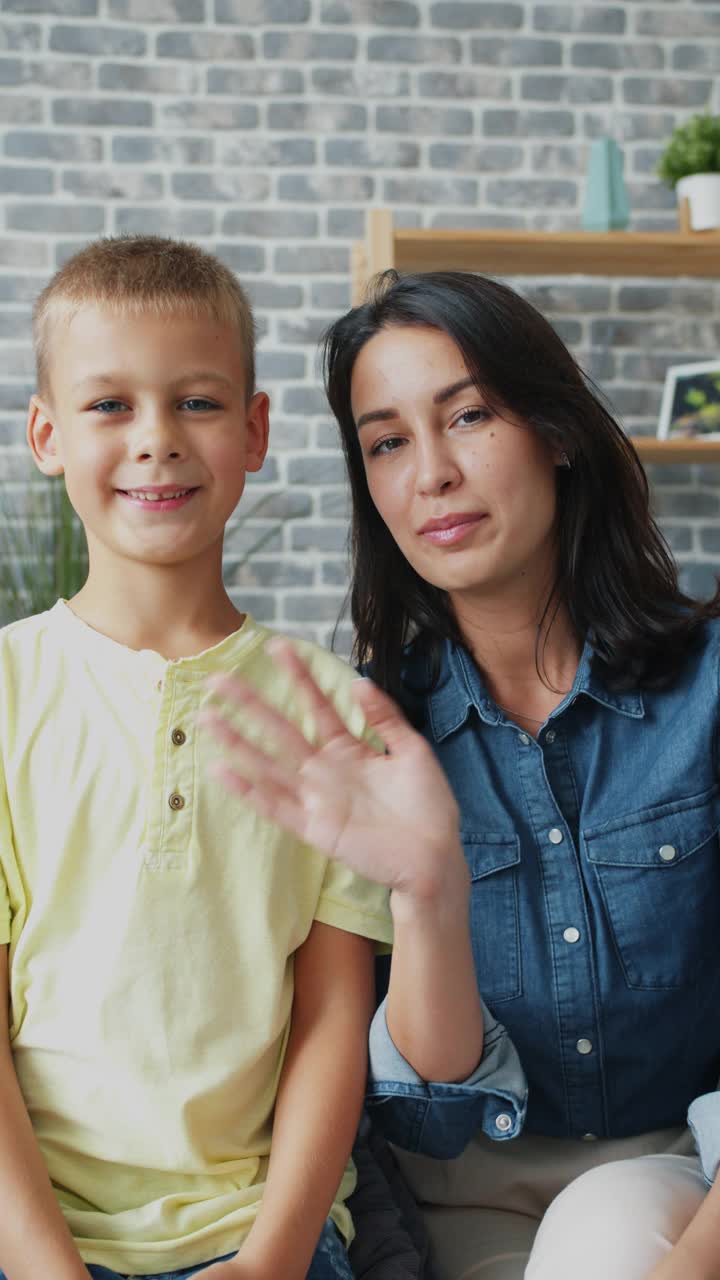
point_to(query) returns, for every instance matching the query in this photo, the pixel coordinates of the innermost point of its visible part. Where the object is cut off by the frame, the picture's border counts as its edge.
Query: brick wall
(264, 128)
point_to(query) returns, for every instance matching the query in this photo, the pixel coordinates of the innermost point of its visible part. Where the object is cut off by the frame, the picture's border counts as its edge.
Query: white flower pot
(702, 191)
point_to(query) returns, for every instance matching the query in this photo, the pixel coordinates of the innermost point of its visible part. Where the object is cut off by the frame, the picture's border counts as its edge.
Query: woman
(512, 593)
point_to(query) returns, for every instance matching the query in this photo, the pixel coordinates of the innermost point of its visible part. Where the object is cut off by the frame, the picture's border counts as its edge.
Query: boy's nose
(144, 455)
(158, 439)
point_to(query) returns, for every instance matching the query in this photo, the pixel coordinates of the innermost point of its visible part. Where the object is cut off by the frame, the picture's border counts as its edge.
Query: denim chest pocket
(493, 860)
(658, 871)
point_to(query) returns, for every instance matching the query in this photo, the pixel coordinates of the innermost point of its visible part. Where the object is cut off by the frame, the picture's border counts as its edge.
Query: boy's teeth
(156, 497)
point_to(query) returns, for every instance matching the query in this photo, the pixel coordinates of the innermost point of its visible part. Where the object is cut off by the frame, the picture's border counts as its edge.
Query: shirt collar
(120, 660)
(461, 687)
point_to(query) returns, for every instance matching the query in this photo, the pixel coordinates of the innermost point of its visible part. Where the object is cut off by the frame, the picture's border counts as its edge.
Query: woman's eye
(109, 406)
(389, 445)
(198, 404)
(471, 417)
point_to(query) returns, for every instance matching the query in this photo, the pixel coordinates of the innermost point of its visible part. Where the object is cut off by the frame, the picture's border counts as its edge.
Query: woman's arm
(34, 1238)
(432, 960)
(318, 1105)
(391, 818)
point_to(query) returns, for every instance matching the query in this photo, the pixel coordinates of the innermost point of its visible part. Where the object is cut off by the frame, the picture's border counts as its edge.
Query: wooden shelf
(613, 253)
(651, 449)
(501, 253)
(609, 253)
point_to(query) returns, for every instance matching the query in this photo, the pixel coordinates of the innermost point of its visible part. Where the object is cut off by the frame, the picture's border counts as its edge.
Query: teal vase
(606, 205)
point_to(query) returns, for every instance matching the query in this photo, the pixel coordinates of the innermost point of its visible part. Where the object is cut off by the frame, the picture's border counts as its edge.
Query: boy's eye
(109, 406)
(198, 404)
(388, 445)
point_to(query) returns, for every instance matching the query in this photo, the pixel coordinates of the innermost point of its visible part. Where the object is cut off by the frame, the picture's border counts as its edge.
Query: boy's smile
(161, 497)
(150, 423)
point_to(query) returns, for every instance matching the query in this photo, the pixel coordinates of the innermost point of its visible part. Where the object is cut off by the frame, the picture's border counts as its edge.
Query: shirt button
(555, 835)
(522, 737)
(503, 1122)
(589, 1137)
(176, 801)
(667, 852)
(178, 737)
(550, 736)
(584, 1046)
(572, 934)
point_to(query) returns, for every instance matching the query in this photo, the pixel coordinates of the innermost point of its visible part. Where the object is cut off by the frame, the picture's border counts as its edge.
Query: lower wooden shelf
(651, 449)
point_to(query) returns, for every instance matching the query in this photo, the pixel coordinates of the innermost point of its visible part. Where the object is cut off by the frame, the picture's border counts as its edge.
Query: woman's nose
(437, 470)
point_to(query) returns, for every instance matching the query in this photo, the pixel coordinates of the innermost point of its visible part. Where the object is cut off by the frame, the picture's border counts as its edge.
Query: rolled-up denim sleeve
(439, 1119)
(704, 1121)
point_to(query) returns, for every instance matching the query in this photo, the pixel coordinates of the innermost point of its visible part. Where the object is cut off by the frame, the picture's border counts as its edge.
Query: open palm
(386, 816)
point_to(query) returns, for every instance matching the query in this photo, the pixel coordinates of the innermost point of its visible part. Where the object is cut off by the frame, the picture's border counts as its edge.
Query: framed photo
(691, 401)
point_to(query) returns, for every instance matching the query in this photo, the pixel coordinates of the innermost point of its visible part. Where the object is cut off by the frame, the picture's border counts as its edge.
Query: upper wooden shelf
(608, 253)
(500, 253)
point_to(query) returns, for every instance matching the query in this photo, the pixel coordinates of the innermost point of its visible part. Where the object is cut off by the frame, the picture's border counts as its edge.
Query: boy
(155, 935)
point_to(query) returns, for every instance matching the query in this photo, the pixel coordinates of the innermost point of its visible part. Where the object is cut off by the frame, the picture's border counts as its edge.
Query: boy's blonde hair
(134, 274)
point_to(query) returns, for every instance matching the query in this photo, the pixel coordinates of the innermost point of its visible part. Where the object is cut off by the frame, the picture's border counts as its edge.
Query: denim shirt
(595, 909)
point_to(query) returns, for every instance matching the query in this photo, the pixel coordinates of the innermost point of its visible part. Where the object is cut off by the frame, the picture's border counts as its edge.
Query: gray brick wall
(265, 128)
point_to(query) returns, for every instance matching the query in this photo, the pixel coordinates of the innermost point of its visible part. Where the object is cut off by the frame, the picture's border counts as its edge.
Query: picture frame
(690, 406)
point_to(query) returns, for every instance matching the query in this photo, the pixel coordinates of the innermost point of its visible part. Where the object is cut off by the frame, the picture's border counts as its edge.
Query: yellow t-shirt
(152, 919)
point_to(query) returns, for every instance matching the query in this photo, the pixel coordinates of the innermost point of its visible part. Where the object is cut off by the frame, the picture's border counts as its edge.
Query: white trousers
(557, 1209)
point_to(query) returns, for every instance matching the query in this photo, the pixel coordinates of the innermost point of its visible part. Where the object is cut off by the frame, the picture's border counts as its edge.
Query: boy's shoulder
(333, 675)
(21, 637)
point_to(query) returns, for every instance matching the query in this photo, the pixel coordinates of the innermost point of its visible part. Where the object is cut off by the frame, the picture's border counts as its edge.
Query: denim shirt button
(667, 852)
(523, 737)
(571, 934)
(589, 1137)
(584, 1046)
(555, 835)
(550, 736)
(503, 1122)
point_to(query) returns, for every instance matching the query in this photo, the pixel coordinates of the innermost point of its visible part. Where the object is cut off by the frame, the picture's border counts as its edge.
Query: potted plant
(43, 552)
(691, 164)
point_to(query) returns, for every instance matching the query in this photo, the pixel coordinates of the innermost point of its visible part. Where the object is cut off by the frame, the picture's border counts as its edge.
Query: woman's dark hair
(616, 575)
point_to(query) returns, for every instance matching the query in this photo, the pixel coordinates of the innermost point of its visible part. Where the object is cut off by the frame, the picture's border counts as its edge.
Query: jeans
(330, 1262)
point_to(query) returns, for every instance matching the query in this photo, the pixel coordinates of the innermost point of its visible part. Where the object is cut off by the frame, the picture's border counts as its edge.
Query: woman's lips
(445, 533)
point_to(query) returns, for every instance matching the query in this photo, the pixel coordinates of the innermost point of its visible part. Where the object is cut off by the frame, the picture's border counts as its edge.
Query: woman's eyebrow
(375, 415)
(385, 415)
(447, 393)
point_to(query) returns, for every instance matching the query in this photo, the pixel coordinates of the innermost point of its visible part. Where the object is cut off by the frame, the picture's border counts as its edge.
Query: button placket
(172, 787)
(551, 799)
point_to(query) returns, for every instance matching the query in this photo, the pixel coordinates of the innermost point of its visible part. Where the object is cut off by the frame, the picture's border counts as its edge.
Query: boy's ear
(42, 438)
(257, 426)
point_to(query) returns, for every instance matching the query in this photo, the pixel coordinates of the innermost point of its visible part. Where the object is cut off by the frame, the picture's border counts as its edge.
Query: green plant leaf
(694, 147)
(695, 397)
(43, 550)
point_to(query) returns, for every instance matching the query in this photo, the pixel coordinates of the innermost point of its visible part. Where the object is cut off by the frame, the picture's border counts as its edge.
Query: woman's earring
(564, 460)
